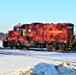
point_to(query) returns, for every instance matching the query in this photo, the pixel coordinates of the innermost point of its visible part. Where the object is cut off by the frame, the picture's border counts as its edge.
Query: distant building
(1, 35)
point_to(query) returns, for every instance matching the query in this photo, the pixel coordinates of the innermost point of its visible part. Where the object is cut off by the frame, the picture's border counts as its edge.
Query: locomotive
(54, 37)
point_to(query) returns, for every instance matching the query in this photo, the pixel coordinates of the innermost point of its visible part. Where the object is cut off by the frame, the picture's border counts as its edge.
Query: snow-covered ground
(1, 43)
(19, 62)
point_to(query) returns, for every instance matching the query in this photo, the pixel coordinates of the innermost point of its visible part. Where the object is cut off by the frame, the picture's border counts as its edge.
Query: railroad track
(38, 49)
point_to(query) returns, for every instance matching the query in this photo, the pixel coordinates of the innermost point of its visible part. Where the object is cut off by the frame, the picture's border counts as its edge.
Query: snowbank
(47, 69)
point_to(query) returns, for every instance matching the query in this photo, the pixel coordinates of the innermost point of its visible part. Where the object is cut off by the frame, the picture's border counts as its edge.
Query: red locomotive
(53, 36)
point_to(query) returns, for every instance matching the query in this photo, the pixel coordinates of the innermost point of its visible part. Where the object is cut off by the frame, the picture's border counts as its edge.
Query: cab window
(25, 32)
(69, 27)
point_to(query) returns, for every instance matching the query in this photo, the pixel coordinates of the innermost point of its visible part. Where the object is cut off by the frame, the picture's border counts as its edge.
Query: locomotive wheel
(38, 46)
(49, 47)
(54, 49)
(63, 47)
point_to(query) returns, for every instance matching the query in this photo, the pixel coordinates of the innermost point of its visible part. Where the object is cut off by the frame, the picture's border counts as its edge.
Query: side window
(69, 27)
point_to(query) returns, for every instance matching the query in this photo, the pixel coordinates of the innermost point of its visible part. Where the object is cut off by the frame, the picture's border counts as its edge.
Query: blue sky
(26, 11)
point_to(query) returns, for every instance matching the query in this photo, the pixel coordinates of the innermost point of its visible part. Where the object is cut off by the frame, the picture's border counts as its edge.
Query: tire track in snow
(34, 56)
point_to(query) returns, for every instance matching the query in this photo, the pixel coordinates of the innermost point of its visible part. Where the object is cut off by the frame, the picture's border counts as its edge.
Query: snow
(24, 62)
(46, 69)
(50, 69)
(44, 55)
(1, 44)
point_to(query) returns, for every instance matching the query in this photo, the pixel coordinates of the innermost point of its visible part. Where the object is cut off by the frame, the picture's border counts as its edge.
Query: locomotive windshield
(17, 29)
